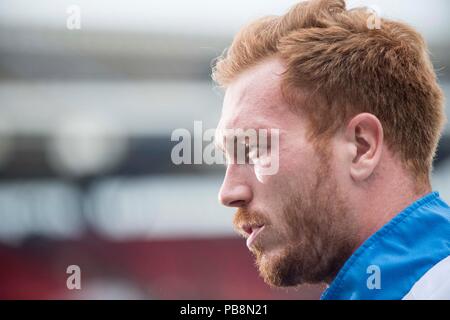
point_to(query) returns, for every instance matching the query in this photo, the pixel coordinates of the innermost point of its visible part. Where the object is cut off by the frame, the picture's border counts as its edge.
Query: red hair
(349, 68)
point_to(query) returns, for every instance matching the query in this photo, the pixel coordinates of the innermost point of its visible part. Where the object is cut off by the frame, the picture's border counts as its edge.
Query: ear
(365, 135)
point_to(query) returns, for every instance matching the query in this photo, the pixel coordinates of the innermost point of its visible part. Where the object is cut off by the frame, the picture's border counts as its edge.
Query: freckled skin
(252, 103)
(245, 107)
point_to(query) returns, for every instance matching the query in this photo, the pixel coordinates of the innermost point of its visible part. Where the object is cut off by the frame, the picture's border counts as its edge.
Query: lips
(252, 232)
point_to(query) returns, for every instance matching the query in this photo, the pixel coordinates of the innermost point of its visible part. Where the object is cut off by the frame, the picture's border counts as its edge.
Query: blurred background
(86, 116)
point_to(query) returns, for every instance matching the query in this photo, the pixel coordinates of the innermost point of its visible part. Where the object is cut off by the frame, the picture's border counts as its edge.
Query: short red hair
(349, 68)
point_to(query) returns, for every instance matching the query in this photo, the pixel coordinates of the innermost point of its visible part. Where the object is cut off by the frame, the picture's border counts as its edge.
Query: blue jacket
(408, 258)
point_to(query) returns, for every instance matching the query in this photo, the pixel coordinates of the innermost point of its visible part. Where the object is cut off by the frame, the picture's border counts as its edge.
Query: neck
(377, 208)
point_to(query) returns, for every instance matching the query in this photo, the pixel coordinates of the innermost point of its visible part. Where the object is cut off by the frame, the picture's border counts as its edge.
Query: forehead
(254, 98)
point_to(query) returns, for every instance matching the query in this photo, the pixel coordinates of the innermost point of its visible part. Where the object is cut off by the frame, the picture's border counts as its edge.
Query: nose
(235, 191)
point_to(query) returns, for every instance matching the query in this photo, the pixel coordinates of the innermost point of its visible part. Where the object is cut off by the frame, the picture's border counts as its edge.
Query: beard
(317, 234)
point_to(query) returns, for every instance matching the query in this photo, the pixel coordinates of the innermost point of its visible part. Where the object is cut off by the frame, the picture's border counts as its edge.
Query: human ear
(365, 133)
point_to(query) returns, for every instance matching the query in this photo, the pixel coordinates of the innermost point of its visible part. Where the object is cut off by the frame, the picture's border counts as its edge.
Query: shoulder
(434, 284)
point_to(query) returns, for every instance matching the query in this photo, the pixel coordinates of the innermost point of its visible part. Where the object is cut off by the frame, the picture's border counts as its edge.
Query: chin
(277, 269)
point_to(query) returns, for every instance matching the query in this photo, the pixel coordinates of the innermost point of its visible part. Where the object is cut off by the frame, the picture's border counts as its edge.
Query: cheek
(260, 167)
(340, 162)
(297, 168)
(295, 174)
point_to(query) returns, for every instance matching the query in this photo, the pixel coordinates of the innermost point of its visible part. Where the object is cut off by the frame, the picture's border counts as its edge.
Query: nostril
(236, 203)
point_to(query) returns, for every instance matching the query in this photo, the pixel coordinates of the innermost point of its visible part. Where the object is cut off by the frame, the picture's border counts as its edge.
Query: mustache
(243, 216)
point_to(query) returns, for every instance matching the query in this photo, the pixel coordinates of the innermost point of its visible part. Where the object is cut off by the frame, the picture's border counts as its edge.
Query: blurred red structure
(170, 269)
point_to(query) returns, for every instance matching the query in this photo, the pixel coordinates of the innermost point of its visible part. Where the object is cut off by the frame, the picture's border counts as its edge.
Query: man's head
(359, 115)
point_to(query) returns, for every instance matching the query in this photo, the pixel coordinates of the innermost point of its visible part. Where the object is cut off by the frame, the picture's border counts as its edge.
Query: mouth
(252, 232)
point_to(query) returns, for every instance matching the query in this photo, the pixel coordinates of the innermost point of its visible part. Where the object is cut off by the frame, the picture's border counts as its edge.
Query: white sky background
(209, 17)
